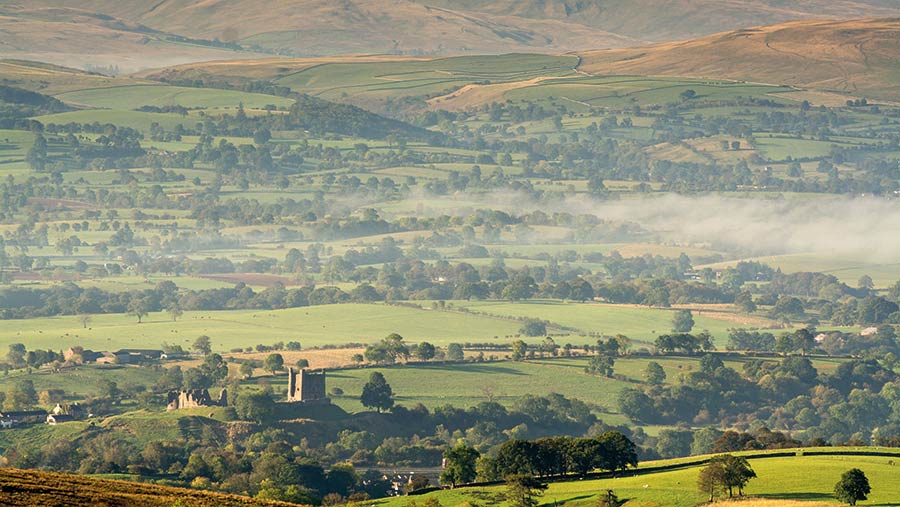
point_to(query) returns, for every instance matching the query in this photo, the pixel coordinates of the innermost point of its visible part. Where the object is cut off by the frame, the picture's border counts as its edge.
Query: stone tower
(306, 386)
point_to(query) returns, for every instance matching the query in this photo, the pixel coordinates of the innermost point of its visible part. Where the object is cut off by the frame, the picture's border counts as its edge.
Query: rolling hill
(21, 488)
(75, 38)
(659, 20)
(125, 33)
(861, 57)
(855, 58)
(136, 34)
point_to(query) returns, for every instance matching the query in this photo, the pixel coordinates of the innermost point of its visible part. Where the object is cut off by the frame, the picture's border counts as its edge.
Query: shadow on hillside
(477, 368)
(798, 496)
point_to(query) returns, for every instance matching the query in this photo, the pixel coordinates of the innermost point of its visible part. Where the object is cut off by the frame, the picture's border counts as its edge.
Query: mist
(864, 228)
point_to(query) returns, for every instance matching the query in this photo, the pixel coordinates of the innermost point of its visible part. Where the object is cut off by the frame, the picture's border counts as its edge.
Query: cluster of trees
(848, 404)
(725, 473)
(553, 456)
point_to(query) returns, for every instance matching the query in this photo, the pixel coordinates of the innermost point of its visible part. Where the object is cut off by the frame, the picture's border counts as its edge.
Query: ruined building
(193, 398)
(307, 387)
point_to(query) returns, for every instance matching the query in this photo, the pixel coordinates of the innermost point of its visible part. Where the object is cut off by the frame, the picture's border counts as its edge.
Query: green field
(311, 326)
(135, 96)
(467, 384)
(14, 145)
(418, 78)
(847, 269)
(809, 478)
(133, 119)
(638, 323)
(622, 91)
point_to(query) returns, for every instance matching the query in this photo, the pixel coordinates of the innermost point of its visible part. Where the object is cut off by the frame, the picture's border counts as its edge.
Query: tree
(16, 355)
(519, 349)
(711, 480)
(744, 302)
(865, 282)
(455, 352)
(214, 367)
(256, 406)
(725, 472)
(534, 327)
(85, 320)
(377, 393)
(636, 405)
(22, 395)
(459, 465)
(683, 321)
(273, 363)
(853, 486)
(37, 154)
(139, 307)
(654, 374)
(601, 365)
(674, 443)
(425, 351)
(202, 345)
(175, 311)
(302, 363)
(618, 452)
(261, 136)
(246, 369)
(523, 490)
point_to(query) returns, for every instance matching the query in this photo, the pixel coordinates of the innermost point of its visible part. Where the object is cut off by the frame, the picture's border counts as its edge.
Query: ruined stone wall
(193, 398)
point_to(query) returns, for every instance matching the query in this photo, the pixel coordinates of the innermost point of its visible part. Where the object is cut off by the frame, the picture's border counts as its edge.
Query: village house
(54, 419)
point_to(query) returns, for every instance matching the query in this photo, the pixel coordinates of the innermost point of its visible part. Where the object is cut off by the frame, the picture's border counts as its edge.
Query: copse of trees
(724, 473)
(545, 457)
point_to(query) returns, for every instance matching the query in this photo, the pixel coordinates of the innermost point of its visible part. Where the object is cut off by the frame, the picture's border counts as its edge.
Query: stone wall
(193, 398)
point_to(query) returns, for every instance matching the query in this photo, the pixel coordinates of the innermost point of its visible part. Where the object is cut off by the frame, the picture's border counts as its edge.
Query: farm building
(54, 419)
(10, 419)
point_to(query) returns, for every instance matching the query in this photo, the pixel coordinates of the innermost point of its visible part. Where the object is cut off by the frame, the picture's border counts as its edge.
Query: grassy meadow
(311, 326)
(638, 323)
(796, 478)
(315, 326)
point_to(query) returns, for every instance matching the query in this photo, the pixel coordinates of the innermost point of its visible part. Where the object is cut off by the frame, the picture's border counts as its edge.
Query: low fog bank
(864, 228)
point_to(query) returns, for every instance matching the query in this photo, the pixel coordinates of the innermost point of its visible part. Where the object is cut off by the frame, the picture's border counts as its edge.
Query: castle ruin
(194, 398)
(305, 386)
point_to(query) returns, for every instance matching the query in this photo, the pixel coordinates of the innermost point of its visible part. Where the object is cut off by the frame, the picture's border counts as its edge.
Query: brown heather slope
(329, 27)
(75, 38)
(661, 20)
(856, 56)
(28, 488)
(50, 79)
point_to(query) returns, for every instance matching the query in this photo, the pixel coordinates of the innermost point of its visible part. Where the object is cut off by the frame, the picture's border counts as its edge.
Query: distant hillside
(856, 56)
(27, 488)
(76, 38)
(117, 30)
(660, 20)
(113, 30)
